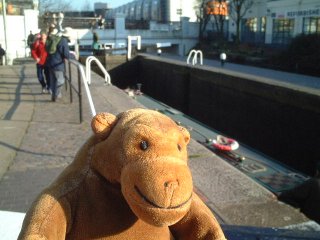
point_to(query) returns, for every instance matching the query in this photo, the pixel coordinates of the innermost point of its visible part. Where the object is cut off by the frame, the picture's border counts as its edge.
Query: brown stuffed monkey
(130, 180)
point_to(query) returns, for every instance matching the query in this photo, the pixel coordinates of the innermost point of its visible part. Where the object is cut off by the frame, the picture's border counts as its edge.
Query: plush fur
(130, 180)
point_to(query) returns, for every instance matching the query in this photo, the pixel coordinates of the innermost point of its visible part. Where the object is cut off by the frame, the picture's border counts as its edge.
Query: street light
(223, 58)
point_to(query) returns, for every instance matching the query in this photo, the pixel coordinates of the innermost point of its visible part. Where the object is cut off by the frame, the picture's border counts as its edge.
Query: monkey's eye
(144, 145)
(179, 147)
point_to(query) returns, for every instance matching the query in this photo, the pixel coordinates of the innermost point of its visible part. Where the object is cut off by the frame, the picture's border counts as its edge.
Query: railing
(130, 39)
(81, 76)
(107, 78)
(195, 54)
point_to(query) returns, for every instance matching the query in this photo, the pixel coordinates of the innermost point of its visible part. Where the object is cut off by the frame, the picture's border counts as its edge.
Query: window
(263, 24)
(253, 30)
(282, 30)
(155, 10)
(251, 24)
(311, 25)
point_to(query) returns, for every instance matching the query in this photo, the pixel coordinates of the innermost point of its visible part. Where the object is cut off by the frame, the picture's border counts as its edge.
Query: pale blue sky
(111, 3)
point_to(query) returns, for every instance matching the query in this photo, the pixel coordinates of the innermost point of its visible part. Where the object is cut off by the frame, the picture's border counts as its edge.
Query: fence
(78, 88)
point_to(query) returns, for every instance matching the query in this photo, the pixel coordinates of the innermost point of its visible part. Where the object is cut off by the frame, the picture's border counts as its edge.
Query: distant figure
(59, 22)
(58, 50)
(40, 54)
(306, 196)
(54, 20)
(101, 21)
(30, 40)
(2, 54)
(95, 43)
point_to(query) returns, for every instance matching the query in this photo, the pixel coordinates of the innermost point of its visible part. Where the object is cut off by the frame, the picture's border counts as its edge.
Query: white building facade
(14, 41)
(20, 18)
(266, 22)
(276, 22)
(287, 19)
(156, 10)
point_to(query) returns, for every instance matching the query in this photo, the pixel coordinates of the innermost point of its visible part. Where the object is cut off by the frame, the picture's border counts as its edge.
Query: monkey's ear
(186, 134)
(102, 124)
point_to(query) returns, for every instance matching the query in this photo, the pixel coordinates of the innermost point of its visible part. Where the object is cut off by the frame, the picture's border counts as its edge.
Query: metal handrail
(130, 39)
(195, 57)
(81, 76)
(88, 70)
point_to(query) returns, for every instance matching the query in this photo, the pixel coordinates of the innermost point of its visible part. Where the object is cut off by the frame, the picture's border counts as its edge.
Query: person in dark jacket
(306, 196)
(2, 54)
(58, 50)
(30, 40)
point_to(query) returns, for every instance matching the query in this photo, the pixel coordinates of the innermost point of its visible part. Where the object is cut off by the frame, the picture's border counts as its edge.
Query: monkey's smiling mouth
(157, 206)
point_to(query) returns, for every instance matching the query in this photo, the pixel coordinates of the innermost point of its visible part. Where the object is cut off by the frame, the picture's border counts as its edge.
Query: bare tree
(48, 11)
(207, 11)
(237, 10)
(203, 17)
(219, 20)
(54, 6)
(87, 6)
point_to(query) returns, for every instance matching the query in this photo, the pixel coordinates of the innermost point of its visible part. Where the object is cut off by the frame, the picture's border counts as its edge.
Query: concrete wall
(276, 119)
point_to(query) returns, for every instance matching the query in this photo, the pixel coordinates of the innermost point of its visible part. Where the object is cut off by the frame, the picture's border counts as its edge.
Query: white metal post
(4, 14)
(130, 39)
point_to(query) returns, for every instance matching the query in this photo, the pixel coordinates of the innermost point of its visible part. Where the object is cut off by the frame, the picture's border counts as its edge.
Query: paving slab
(11, 134)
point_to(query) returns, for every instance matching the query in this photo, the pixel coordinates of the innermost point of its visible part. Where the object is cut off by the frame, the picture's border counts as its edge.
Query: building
(289, 18)
(273, 22)
(156, 10)
(21, 17)
(101, 8)
(16, 7)
(276, 22)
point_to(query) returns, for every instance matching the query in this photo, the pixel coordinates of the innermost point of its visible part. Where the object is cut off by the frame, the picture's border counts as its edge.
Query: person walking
(2, 54)
(30, 40)
(95, 43)
(101, 21)
(58, 50)
(39, 54)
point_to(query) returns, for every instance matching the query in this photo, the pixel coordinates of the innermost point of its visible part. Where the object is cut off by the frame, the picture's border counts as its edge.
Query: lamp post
(5, 28)
(219, 9)
(223, 58)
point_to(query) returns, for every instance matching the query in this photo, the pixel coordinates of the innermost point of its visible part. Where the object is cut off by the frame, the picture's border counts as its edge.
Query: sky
(111, 3)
